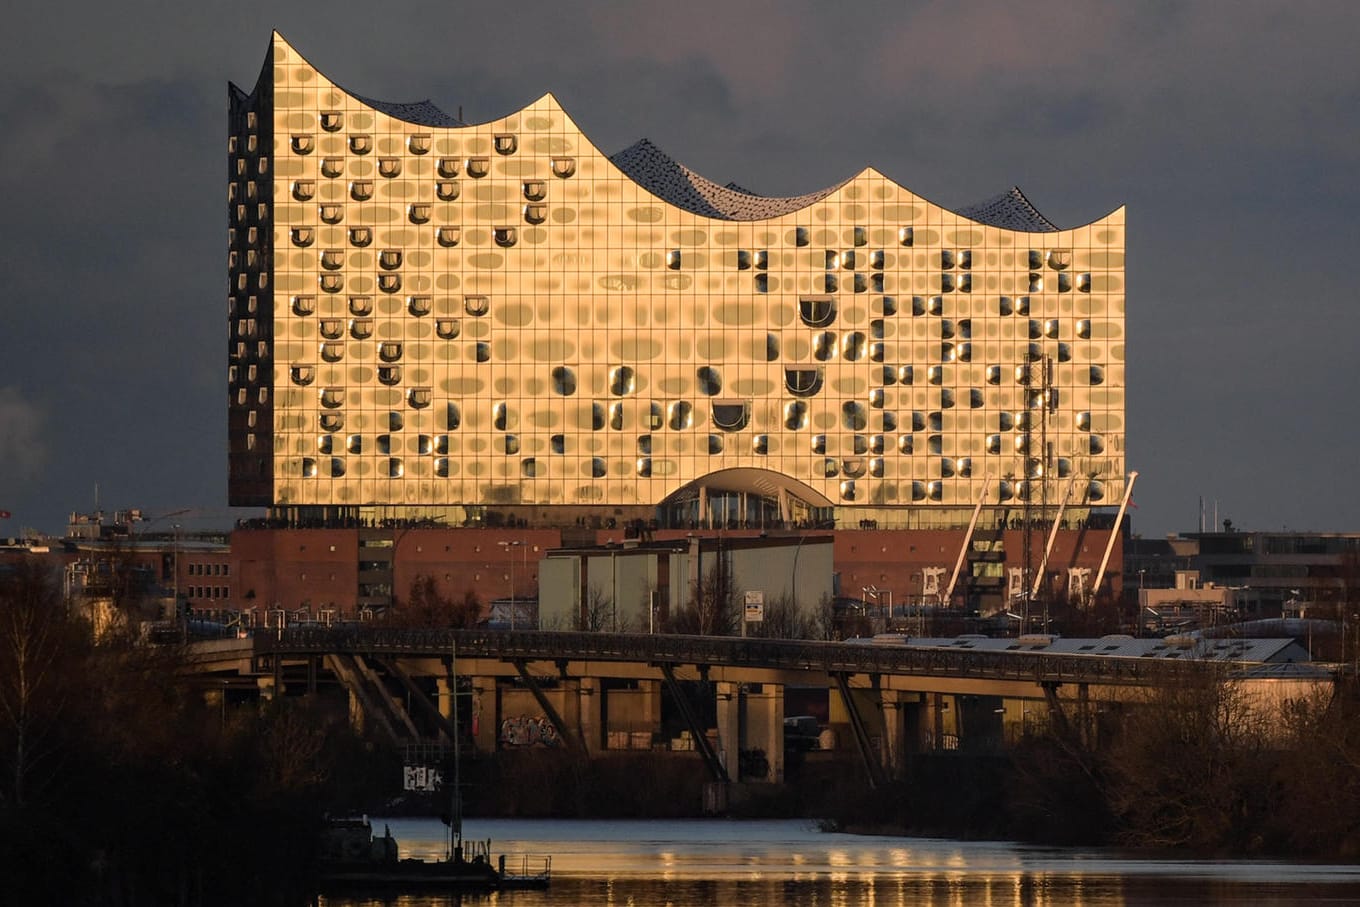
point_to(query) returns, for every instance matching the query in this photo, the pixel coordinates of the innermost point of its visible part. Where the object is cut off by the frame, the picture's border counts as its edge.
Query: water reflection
(715, 862)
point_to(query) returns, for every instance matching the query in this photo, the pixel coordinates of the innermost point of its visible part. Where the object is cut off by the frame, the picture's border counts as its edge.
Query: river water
(716, 863)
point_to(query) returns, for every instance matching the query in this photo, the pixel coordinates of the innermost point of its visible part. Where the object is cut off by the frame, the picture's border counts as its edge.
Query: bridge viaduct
(597, 691)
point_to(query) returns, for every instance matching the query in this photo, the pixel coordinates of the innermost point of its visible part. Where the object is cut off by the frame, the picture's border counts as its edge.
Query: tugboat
(354, 859)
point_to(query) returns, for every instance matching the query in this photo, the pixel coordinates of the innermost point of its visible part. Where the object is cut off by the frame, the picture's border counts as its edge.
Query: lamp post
(508, 545)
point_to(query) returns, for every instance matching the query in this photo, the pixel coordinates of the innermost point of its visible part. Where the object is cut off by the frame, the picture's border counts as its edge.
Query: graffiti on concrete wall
(522, 731)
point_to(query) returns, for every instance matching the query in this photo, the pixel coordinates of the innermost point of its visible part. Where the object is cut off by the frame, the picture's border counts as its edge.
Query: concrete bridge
(727, 697)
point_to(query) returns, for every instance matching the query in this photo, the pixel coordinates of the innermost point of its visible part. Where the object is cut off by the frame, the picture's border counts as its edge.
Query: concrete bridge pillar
(893, 741)
(483, 713)
(267, 687)
(763, 715)
(590, 708)
(729, 726)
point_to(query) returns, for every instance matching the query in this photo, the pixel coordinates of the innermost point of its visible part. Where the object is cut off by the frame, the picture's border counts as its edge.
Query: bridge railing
(776, 654)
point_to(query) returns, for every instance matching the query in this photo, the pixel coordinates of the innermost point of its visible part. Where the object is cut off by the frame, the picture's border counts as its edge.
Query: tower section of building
(499, 316)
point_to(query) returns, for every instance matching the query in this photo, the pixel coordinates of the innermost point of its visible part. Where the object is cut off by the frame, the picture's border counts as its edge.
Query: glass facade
(430, 313)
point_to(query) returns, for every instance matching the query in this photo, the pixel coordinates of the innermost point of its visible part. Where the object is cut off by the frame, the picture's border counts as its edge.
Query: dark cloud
(1231, 135)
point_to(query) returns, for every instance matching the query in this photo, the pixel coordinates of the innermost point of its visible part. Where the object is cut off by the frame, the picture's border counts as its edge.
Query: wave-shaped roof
(1011, 211)
(423, 113)
(673, 182)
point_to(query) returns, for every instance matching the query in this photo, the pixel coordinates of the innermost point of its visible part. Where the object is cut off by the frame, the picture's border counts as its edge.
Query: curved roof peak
(1010, 210)
(666, 178)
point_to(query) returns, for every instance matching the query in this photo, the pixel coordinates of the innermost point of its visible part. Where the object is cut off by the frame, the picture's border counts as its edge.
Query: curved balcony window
(1084, 283)
(332, 120)
(1064, 283)
(829, 283)
(673, 259)
(1096, 375)
(332, 352)
(709, 380)
(418, 398)
(535, 214)
(360, 144)
(877, 398)
(360, 236)
(715, 445)
(563, 381)
(680, 416)
(510, 444)
(760, 445)
(308, 468)
(616, 416)
(795, 415)
(441, 467)
(303, 236)
(824, 346)
(389, 259)
(598, 468)
(818, 444)
(389, 351)
(304, 190)
(333, 397)
(448, 237)
(476, 305)
(831, 468)
(354, 444)
(622, 381)
(535, 190)
(418, 213)
(332, 167)
(906, 444)
(1059, 259)
(453, 418)
(502, 418)
(563, 167)
(389, 283)
(852, 346)
(304, 305)
(447, 328)
(361, 190)
(853, 467)
(418, 144)
(303, 375)
(448, 167)
(447, 190)
(389, 167)
(1095, 491)
(394, 468)
(331, 214)
(644, 467)
(803, 382)
(1097, 445)
(505, 237)
(1084, 329)
(854, 417)
(361, 328)
(333, 259)
(478, 167)
(655, 416)
(506, 142)
(418, 305)
(731, 415)
(762, 283)
(332, 328)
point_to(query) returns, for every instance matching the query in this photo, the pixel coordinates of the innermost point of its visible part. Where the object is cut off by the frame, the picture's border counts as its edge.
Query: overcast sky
(1230, 130)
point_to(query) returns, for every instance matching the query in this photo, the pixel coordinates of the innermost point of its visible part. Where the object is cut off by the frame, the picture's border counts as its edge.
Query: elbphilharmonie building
(430, 316)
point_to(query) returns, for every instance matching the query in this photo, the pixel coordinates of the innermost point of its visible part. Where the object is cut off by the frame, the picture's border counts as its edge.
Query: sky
(1231, 131)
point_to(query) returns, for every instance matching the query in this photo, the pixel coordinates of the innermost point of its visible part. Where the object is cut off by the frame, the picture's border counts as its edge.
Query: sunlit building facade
(437, 318)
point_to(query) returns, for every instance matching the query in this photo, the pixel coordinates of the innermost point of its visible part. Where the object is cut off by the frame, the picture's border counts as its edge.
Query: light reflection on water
(711, 862)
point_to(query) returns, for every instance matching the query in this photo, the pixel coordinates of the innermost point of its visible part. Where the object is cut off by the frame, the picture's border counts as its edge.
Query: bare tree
(596, 611)
(782, 620)
(38, 641)
(427, 606)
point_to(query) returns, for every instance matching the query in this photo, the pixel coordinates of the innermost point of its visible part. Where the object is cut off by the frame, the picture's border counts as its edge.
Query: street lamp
(507, 545)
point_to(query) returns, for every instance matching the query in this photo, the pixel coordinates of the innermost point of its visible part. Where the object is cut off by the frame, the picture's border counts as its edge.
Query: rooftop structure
(437, 318)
